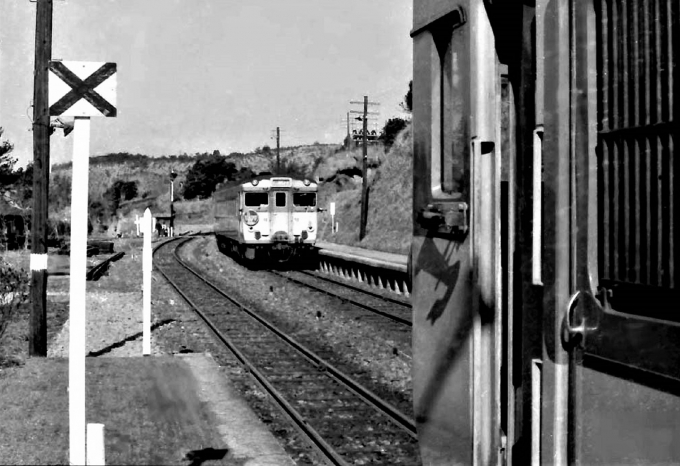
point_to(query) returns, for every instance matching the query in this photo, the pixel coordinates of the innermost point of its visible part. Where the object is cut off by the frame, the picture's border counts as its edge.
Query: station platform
(370, 257)
(155, 410)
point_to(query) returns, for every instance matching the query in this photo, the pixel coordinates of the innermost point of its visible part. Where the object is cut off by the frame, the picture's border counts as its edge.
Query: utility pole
(364, 169)
(278, 150)
(364, 185)
(349, 137)
(37, 342)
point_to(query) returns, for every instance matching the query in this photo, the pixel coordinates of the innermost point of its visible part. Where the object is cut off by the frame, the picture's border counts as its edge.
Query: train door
(456, 251)
(610, 155)
(440, 254)
(280, 218)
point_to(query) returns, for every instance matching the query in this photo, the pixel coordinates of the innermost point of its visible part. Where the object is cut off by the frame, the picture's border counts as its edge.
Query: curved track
(344, 421)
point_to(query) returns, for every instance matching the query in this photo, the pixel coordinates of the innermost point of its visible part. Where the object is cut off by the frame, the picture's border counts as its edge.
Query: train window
(450, 141)
(304, 199)
(280, 200)
(636, 155)
(256, 199)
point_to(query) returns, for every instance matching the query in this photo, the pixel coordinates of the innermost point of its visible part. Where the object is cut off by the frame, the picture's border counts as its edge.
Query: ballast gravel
(311, 317)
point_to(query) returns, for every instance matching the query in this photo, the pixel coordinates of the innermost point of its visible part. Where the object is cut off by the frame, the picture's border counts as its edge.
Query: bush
(14, 287)
(392, 128)
(205, 174)
(289, 168)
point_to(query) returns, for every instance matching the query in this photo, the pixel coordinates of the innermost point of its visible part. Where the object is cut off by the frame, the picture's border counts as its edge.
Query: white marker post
(332, 217)
(78, 266)
(95, 445)
(82, 90)
(137, 223)
(147, 265)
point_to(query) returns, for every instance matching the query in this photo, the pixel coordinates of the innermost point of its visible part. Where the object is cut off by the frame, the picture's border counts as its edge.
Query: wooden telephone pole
(41, 172)
(278, 150)
(364, 184)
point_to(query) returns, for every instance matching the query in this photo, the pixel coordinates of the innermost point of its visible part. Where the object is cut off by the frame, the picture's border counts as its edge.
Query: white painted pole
(77, 320)
(146, 269)
(137, 223)
(95, 445)
(332, 209)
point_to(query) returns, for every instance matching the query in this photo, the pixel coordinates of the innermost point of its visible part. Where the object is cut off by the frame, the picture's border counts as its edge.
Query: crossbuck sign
(82, 88)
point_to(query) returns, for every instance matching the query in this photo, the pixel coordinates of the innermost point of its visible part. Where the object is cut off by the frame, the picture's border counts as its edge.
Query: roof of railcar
(278, 182)
(264, 184)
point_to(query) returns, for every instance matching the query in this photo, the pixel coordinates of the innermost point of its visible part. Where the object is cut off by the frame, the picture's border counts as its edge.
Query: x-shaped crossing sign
(85, 89)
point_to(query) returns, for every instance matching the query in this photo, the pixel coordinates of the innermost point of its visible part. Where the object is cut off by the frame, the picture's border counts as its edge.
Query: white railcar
(271, 219)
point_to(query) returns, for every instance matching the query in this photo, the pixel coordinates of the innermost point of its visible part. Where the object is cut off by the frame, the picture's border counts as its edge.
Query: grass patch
(196, 211)
(163, 417)
(20, 259)
(124, 276)
(14, 343)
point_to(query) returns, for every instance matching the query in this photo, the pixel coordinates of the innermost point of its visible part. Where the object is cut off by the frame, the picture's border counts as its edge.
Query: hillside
(152, 178)
(337, 171)
(389, 227)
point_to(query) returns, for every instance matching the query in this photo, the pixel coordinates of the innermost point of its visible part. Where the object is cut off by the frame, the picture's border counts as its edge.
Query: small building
(13, 227)
(164, 223)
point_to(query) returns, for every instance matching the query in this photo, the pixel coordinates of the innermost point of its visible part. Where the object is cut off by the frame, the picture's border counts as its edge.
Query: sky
(200, 75)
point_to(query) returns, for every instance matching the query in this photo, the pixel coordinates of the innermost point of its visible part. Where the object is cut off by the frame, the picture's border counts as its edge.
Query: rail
(302, 422)
(96, 272)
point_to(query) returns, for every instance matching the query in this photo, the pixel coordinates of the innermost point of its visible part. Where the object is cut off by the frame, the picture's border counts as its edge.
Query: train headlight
(310, 226)
(250, 217)
(254, 182)
(306, 182)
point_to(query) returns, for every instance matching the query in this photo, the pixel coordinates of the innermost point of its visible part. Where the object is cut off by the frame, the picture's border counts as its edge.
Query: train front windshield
(256, 199)
(304, 199)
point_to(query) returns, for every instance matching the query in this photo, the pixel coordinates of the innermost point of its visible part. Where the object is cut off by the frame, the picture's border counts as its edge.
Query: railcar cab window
(256, 199)
(304, 199)
(280, 199)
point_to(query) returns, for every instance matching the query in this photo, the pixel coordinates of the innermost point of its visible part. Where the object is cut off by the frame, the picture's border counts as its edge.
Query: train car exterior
(272, 219)
(545, 221)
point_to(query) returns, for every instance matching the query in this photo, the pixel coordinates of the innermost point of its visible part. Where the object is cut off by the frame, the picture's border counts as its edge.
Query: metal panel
(441, 294)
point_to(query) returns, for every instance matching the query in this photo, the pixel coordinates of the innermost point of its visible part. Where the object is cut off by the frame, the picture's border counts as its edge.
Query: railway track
(344, 421)
(395, 310)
